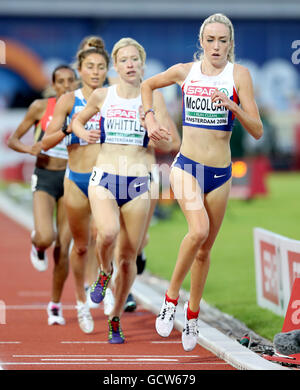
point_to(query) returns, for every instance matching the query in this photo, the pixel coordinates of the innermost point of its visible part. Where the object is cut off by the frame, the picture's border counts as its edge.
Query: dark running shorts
(48, 181)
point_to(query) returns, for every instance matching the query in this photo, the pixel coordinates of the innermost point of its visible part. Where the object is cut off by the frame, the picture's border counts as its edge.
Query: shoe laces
(102, 280)
(191, 327)
(114, 326)
(168, 311)
(83, 312)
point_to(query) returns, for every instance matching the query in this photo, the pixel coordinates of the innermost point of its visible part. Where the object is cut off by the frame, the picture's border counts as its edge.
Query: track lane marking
(108, 363)
(102, 356)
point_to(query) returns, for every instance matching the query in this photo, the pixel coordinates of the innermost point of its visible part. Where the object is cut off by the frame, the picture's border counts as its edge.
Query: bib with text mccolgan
(197, 108)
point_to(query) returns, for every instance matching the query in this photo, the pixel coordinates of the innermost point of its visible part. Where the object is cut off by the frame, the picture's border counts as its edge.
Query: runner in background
(120, 183)
(47, 187)
(92, 269)
(92, 65)
(212, 87)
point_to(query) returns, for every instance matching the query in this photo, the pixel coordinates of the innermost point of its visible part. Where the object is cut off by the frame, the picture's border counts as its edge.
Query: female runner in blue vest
(92, 66)
(120, 182)
(212, 88)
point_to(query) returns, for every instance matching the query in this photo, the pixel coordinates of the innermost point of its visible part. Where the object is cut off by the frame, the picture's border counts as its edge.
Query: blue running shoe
(115, 335)
(98, 288)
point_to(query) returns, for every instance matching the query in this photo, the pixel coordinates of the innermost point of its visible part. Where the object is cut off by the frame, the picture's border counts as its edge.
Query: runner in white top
(201, 174)
(119, 184)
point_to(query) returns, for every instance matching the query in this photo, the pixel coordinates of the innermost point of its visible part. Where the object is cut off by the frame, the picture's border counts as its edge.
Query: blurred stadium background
(37, 35)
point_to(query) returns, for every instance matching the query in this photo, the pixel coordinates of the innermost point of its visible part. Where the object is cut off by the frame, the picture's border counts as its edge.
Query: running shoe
(55, 315)
(38, 259)
(141, 262)
(190, 331)
(85, 319)
(98, 288)
(115, 335)
(165, 320)
(130, 304)
(108, 301)
(92, 305)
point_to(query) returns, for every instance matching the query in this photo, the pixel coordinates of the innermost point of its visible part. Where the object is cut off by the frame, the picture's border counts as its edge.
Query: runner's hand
(221, 100)
(155, 131)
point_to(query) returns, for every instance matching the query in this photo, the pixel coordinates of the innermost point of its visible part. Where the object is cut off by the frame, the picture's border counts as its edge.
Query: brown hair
(90, 45)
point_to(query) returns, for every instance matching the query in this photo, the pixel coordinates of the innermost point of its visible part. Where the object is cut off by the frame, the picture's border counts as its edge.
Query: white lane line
(36, 307)
(33, 293)
(166, 342)
(10, 342)
(105, 356)
(108, 362)
(105, 342)
(144, 360)
(74, 360)
(84, 342)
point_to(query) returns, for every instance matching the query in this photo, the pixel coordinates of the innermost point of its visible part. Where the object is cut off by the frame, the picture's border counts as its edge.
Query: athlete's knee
(127, 262)
(80, 249)
(108, 237)
(203, 255)
(198, 235)
(43, 239)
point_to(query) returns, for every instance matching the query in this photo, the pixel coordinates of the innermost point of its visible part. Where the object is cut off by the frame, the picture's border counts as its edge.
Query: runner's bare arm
(175, 74)
(34, 114)
(54, 134)
(247, 113)
(92, 107)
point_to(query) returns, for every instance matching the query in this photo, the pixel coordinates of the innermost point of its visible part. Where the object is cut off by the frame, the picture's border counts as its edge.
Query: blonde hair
(90, 45)
(124, 42)
(219, 18)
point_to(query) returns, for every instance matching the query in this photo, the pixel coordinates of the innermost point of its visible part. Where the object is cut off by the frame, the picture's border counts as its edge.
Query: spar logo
(200, 91)
(119, 113)
(204, 91)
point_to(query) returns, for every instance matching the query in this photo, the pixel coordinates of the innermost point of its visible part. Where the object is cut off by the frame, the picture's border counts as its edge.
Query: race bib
(96, 176)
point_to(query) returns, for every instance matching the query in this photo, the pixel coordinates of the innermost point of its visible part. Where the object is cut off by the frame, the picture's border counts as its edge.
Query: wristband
(147, 112)
(65, 128)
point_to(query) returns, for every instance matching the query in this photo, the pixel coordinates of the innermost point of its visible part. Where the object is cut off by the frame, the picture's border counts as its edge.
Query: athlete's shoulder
(102, 91)
(37, 108)
(182, 68)
(241, 74)
(66, 100)
(240, 70)
(39, 104)
(179, 72)
(99, 95)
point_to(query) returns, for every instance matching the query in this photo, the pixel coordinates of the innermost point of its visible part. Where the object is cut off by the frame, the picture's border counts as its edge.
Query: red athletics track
(28, 343)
